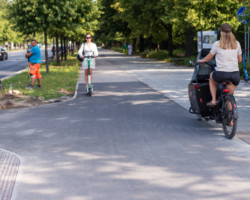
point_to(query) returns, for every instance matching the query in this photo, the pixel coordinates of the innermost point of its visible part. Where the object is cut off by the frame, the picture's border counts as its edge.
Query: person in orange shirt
(35, 62)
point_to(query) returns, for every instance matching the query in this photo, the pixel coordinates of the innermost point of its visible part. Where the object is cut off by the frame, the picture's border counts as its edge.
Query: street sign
(241, 15)
(206, 39)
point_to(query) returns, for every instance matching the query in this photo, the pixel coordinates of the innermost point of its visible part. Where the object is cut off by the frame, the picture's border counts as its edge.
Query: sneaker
(39, 86)
(30, 87)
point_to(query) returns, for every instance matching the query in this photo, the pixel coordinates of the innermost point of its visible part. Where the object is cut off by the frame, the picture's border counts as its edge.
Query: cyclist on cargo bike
(228, 54)
(212, 86)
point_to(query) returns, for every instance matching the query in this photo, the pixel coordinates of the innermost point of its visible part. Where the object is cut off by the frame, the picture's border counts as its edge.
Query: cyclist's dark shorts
(220, 77)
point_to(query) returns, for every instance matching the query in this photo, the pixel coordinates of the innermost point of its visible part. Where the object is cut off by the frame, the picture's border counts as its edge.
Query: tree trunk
(46, 52)
(57, 51)
(141, 47)
(72, 46)
(75, 47)
(134, 44)
(170, 40)
(189, 42)
(53, 48)
(61, 48)
(150, 42)
(65, 48)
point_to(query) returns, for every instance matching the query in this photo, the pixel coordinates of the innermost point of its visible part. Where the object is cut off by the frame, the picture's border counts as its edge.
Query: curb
(10, 166)
(16, 73)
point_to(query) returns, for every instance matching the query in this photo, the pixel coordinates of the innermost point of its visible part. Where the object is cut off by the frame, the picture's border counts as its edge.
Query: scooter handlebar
(88, 56)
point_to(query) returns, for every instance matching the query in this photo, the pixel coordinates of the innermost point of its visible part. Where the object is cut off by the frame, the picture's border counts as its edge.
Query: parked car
(3, 54)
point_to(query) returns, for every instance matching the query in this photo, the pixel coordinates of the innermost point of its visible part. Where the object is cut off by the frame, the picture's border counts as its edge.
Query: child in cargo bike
(227, 52)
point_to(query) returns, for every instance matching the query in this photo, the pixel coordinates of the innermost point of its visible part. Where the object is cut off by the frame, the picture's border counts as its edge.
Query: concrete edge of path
(16, 73)
(11, 163)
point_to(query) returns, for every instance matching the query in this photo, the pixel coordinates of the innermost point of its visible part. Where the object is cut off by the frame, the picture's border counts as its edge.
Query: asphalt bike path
(173, 82)
(127, 142)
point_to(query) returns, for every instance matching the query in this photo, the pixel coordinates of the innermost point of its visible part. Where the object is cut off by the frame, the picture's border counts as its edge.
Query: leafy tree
(174, 20)
(109, 24)
(204, 15)
(6, 32)
(147, 19)
(31, 17)
(54, 17)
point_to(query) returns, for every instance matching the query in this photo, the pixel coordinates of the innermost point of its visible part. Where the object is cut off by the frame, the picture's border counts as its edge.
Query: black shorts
(220, 77)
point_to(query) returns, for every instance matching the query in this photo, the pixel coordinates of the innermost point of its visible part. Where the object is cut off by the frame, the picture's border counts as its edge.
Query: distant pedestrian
(130, 47)
(34, 58)
(53, 50)
(124, 48)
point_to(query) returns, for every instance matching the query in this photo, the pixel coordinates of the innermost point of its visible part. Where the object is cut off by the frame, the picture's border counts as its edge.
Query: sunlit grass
(163, 56)
(241, 69)
(60, 77)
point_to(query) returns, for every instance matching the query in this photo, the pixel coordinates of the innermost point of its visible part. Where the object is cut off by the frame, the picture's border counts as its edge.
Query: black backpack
(78, 56)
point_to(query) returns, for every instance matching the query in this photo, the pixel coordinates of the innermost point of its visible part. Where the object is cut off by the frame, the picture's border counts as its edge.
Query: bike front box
(199, 95)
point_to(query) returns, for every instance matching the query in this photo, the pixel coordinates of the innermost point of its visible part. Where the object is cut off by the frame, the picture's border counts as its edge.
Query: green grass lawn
(163, 55)
(119, 49)
(63, 77)
(178, 53)
(241, 69)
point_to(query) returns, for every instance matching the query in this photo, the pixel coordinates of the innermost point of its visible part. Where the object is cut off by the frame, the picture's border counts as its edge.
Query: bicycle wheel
(229, 117)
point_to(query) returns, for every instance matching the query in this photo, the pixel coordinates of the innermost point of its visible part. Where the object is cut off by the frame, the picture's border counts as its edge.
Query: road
(17, 62)
(126, 142)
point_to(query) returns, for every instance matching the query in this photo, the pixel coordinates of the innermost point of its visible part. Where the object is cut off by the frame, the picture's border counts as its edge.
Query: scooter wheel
(90, 92)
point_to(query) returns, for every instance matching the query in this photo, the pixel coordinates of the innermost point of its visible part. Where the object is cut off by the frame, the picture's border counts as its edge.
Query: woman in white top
(227, 52)
(89, 49)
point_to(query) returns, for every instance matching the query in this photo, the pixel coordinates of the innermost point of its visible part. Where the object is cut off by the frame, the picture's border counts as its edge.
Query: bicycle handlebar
(197, 63)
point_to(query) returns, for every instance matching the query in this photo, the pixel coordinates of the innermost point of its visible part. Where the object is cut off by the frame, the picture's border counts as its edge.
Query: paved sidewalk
(173, 82)
(127, 142)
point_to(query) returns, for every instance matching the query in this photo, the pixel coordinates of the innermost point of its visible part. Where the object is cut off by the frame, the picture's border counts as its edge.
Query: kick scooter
(244, 67)
(89, 86)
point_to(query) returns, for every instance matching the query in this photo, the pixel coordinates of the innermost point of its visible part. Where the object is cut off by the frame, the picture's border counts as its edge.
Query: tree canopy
(60, 18)
(166, 24)
(172, 23)
(6, 28)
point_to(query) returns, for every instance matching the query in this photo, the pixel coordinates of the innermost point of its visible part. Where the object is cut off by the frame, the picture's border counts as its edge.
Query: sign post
(248, 44)
(242, 18)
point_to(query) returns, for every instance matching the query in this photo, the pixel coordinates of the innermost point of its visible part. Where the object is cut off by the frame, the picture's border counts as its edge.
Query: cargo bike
(225, 111)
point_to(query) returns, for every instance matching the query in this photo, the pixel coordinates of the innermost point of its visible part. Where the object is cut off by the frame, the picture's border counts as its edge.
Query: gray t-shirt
(226, 59)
